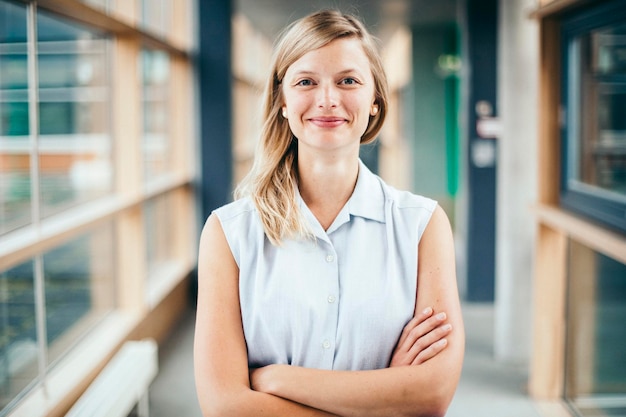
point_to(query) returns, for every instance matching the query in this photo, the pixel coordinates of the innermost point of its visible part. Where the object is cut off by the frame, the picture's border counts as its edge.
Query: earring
(285, 113)
(374, 110)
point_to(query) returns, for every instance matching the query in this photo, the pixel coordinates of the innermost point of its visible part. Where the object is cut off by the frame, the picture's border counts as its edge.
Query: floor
(173, 392)
(487, 388)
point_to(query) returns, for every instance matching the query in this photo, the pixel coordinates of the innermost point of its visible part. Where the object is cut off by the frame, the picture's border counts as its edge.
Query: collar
(368, 198)
(367, 201)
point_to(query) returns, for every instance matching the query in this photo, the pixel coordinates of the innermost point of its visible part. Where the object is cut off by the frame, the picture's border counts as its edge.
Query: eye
(305, 83)
(349, 81)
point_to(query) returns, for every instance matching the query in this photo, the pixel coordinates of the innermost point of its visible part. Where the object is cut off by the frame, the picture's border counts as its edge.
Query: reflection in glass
(18, 331)
(15, 194)
(79, 288)
(596, 335)
(598, 111)
(75, 141)
(157, 148)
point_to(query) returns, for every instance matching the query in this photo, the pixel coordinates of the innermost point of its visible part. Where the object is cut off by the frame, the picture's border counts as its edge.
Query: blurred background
(123, 123)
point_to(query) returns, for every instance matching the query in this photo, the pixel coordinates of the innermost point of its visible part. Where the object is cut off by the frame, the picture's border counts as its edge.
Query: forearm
(244, 402)
(399, 391)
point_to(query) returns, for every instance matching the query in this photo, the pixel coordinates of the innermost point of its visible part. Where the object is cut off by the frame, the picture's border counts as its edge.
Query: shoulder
(437, 240)
(409, 212)
(237, 216)
(372, 189)
(236, 209)
(403, 199)
(410, 206)
(241, 226)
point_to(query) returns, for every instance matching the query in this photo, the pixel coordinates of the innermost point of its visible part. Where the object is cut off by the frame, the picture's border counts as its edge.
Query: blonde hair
(272, 183)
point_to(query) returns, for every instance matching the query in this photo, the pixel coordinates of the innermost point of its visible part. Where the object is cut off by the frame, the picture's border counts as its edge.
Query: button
(330, 258)
(331, 298)
(326, 344)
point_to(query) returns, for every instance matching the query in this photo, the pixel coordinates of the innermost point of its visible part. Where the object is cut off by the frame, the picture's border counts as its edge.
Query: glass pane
(596, 363)
(79, 288)
(75, 140)
(100, 4)
(157, 145)
(159, 235)
(15, 197)
(19, 350)
(598, 111)
(154, 16)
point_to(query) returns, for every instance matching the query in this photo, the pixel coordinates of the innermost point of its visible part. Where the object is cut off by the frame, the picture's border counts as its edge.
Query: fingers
(422, 328)
(430, 351)
(422, 338)
(430, 344)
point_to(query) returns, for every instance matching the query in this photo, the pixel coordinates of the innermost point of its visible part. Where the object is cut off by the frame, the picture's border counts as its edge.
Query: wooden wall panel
(547, 361)
(549, 104)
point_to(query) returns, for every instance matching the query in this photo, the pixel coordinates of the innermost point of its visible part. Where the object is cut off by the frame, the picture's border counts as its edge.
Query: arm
(423, 389)
(220, 356)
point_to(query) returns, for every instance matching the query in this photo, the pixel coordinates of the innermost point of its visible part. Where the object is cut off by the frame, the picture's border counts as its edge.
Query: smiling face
(329, 96)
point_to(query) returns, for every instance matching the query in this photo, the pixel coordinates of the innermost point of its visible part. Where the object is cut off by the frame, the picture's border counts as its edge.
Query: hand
(260, 378)
(422, 338)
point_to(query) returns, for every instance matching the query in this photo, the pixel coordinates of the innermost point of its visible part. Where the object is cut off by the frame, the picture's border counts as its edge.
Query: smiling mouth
(327, 121)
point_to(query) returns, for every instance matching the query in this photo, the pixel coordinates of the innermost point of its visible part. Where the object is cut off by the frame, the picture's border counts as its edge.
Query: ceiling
(380, 16)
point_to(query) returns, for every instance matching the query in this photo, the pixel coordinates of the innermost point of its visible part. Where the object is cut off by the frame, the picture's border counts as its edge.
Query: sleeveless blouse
(339, 301)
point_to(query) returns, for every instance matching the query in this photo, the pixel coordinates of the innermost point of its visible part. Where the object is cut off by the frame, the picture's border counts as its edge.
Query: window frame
(592, 203)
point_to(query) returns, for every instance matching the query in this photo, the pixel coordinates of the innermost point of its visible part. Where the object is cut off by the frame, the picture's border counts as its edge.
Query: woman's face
(329, 96)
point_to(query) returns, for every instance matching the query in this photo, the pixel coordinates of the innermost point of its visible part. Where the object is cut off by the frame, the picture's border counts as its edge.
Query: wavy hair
(272, 182)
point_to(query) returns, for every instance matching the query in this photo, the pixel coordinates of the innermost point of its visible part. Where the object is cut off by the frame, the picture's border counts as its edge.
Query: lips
(327, 122)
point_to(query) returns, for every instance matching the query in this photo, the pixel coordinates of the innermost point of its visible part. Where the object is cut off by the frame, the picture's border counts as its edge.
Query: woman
(311, 298)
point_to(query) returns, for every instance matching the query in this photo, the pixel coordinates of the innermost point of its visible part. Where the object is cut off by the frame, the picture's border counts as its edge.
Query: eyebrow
(342, 72)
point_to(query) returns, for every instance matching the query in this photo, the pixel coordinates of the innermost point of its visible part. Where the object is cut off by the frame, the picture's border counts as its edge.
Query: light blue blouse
(339, 302)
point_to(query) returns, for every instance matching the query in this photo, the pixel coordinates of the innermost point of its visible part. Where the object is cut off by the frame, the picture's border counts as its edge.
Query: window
(48, 303)
(594, 100)
(55, 154)
(79, 285)
(55, 144)
(595, 372)
(154, 15)
(18, 343)
(160, 242)
(102, 4)
(97, 221)
(74, 143)
(157, 149)
(15, 163)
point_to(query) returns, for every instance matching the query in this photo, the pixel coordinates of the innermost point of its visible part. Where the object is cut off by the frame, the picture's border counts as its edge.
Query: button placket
(328, 340)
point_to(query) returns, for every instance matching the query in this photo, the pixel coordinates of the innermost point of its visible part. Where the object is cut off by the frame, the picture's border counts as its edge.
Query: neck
(326, 185)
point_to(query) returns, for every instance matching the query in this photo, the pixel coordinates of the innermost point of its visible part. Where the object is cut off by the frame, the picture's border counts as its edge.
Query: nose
(327, 96)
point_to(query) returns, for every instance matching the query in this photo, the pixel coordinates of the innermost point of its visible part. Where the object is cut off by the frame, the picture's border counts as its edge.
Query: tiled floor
(487, 389)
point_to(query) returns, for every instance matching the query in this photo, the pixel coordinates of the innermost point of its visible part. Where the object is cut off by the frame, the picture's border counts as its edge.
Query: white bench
(122, 384)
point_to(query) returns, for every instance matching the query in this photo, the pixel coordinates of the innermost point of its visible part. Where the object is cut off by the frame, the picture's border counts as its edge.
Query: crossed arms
(420, 380)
